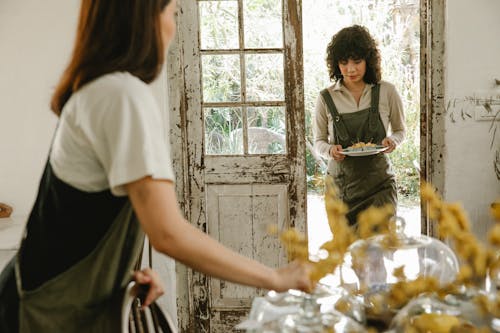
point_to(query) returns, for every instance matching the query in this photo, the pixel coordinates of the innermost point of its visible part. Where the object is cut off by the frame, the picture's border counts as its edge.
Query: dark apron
(363, 181)
(86, 296)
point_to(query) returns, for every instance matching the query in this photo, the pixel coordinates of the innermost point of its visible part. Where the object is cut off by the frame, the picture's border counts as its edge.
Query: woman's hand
(388, 143)
(335, 153)
(295, 275)
(152, 279)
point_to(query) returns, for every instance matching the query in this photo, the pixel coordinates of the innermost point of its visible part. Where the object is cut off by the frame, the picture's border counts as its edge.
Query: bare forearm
(156, 207)
(198, 250)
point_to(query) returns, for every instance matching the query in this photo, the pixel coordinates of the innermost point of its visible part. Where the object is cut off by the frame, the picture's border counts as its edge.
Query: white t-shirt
(111, 132)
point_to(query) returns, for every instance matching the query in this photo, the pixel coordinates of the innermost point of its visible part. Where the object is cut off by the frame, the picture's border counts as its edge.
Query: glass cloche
(452, 313)
(371, 266)
(298, 312)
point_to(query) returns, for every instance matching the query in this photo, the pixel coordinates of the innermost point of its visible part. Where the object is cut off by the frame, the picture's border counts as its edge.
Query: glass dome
(298, 312)
(369, 264)
(453, 313)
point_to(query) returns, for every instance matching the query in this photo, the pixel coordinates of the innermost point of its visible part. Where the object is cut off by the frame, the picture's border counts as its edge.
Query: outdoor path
(319, 231)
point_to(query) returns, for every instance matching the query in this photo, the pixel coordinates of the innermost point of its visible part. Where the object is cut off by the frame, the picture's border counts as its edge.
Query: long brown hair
(113, 35)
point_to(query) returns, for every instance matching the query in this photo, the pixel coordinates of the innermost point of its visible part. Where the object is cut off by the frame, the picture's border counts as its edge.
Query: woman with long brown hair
(108, 180)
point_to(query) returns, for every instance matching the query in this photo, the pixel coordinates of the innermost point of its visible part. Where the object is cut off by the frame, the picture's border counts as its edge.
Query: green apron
(86, 297)
(363, 181)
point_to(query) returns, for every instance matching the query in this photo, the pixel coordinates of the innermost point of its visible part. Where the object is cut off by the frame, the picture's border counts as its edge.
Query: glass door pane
(263, 21)
(221, 78)
(218, 25)
(264, 77)
(266, 130)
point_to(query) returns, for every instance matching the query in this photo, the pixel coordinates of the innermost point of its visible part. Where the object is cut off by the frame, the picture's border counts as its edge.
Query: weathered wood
(194, 304)
(239, 216)
(432, 115)
(251, 190)
(250, 169)
(294, 95)
(177, 137)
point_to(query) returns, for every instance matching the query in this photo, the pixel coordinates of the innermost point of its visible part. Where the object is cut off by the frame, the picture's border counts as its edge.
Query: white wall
(36, 40)
(472, 62)
(35, 43)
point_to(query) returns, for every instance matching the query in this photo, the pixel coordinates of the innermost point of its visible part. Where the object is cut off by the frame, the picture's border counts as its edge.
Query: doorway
(395, 24)
(272, 178)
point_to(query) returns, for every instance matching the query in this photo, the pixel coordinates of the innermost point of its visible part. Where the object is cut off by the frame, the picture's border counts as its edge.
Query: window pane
(219, 24)
(263, 23)
(264, 77)
(221, 78)
(223, 131)
(266, 130)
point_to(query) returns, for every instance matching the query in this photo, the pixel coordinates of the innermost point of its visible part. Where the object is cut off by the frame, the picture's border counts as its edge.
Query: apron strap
(339, 128)
(374, 114)
(138, 263)
(375, 96)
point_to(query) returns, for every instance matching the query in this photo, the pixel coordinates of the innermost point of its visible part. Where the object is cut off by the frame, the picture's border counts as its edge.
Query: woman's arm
(155, 204)
(396, 117)
(320, 129)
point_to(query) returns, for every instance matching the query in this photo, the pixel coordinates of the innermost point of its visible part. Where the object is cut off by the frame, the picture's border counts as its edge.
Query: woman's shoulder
(111, 90)
(116, 83)
(387, 87)
(109, 96)
(332, 88)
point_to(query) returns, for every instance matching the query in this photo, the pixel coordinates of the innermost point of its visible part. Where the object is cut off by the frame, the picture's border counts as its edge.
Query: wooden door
(235, 76)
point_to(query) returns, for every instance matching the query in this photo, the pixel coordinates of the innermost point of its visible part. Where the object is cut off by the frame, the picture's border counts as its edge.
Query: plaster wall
(36, 40)
(472, 64)
(35, 43)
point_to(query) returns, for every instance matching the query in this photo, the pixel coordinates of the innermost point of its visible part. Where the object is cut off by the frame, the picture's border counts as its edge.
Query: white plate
(364, 151)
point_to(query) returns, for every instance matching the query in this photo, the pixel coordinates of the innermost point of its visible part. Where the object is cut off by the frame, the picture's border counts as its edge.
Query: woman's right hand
(151, 278)
(295, 275)
(335, 153)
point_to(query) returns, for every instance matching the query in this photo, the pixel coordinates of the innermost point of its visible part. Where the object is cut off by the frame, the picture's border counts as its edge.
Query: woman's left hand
(151, 278)
(388, 143)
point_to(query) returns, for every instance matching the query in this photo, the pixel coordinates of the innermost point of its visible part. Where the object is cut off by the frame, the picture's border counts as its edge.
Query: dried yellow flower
(343, 305)
(495, 210)
(494, 235)
(453, 226)
(399, 273)
(374, 221)
(272, 229)
(296, 244)
(435, 323)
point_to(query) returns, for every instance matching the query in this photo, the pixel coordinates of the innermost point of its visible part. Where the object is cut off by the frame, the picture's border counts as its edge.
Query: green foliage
(223, 131)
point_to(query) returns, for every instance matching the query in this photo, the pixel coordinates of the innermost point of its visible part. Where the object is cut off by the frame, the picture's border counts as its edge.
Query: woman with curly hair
(358, 107)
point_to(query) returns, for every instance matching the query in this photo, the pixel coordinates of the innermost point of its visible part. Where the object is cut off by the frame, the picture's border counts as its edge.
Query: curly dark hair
(354, 42)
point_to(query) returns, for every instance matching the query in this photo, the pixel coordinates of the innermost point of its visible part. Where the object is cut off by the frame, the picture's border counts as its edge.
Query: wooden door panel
(243, 169)
(238, 217)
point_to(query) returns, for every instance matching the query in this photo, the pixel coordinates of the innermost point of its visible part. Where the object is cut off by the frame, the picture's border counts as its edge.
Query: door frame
(432, 101)
(184, 86)
(188, 160)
